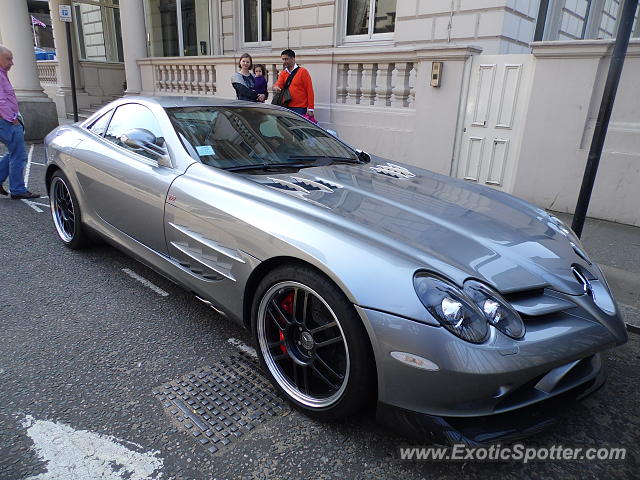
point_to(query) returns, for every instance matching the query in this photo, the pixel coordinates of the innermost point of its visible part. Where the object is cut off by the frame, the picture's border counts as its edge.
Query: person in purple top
(11, 134)
(260, 80)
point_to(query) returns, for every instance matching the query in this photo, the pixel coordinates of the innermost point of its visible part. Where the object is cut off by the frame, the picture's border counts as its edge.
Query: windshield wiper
(325, 160)
(268, 167)
(295, 162)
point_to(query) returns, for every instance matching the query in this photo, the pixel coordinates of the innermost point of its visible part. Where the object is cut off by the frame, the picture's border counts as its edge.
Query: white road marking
(145, 282)
(27, 169)
(33, 205)
(71, 454)
(243, 347)
(39, 164)
(46, 205)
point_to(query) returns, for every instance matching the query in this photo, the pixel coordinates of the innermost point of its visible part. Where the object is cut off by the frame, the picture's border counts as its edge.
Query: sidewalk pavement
(616, 248)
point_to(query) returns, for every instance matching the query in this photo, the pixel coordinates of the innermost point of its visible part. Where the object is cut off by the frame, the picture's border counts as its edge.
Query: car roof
(176, 101)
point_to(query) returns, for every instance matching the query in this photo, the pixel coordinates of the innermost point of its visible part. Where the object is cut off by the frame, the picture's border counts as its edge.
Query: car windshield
(240, 138)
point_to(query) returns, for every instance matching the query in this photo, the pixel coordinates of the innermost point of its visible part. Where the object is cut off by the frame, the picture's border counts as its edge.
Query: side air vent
(392, 170)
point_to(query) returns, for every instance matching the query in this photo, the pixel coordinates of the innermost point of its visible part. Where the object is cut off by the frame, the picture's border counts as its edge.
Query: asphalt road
(84, 346)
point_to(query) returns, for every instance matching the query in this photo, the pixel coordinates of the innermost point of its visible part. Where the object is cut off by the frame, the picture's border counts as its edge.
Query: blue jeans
(298, 110)
(13, 162)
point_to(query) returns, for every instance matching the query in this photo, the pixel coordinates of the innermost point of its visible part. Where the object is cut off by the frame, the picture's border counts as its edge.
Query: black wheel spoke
(276, 344)
(305, 303)
(324, 379)
(294, 306)
(296, 380)
(275, 317)
(326, 343)
(305, 376)
(323, 327)
(281, 356)
(328, 368)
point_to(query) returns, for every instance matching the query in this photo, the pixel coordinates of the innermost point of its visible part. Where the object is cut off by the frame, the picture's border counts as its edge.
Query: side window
(128, 117)
(100, 125)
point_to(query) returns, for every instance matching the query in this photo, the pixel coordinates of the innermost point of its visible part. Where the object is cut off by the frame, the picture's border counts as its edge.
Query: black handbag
(283, 97)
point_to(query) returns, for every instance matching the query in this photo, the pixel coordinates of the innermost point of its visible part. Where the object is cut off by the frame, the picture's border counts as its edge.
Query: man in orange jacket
(301, 88)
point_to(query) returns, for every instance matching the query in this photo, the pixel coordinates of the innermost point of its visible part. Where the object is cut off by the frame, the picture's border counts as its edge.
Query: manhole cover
(221, 403)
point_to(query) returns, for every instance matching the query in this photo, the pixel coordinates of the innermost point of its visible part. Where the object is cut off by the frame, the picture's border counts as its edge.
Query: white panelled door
(494, 119)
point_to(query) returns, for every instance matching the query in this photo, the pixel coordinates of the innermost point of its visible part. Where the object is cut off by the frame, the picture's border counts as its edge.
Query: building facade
(513, 105)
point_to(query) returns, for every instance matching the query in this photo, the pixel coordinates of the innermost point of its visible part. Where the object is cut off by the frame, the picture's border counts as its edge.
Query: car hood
(450, 226)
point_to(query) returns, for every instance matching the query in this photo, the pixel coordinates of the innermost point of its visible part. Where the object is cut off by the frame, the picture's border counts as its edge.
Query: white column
(16, 31)
(37, 109)
(134, 42)
(63, 98)
(60, 41)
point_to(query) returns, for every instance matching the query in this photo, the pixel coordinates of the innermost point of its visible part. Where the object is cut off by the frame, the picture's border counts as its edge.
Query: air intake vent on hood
(303, 185)
(392, 170)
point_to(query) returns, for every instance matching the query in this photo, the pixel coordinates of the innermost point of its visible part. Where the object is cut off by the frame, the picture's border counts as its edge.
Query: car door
(127, 187)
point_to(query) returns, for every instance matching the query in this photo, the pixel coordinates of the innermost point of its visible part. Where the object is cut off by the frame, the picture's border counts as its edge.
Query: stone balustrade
(48, 71)
(380, 84)
(185, 79)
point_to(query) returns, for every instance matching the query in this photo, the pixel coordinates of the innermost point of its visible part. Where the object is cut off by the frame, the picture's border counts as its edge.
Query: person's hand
(261, 97)
(310, 114)
(276, 89)
(16, 122)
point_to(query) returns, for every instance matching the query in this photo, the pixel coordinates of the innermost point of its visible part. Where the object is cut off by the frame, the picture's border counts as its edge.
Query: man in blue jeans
(11, 134)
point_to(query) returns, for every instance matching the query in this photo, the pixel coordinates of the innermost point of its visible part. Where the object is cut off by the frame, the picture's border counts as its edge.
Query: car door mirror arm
(142, 139)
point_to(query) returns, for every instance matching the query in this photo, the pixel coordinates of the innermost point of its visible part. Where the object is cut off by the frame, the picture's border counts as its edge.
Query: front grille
(539, 303)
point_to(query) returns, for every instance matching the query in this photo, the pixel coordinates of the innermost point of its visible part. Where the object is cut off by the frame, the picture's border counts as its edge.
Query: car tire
(65, 212)
(312, 344)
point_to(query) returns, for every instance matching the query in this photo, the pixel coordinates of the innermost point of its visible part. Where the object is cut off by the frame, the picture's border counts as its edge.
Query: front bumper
(489, 380)
(476, 431)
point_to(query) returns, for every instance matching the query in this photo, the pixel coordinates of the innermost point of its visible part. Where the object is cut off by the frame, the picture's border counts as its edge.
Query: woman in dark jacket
(244, 82)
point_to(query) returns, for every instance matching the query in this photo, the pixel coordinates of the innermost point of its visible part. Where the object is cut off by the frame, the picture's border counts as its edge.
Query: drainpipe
(220, 32)
(450, 22)
(604, 115)
(542, 20)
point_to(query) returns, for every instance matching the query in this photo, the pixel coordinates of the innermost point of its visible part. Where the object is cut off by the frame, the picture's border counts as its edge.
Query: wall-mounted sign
(65, 13)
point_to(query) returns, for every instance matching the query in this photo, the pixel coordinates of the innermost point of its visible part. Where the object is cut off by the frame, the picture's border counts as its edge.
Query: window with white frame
(585, 19)
(370, 19)
(98, 32)
(256, 18)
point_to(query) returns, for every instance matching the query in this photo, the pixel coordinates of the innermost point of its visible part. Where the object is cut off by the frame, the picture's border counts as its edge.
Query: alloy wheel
(303, 344)
(62, 209)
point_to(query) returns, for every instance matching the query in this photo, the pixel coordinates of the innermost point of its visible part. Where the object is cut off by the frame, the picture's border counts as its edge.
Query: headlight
(495, 309)
(452, 308)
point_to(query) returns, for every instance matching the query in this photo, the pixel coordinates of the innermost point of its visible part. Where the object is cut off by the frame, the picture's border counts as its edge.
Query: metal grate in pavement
(219, 404)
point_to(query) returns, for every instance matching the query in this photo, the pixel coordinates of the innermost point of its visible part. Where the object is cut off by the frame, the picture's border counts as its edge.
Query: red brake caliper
(287, 305)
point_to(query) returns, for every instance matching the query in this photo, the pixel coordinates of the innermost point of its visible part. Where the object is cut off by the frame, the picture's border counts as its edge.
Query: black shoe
(3, 191)
(24, 196)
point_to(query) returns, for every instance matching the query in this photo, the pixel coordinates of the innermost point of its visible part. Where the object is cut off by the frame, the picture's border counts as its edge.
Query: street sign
(65, 13)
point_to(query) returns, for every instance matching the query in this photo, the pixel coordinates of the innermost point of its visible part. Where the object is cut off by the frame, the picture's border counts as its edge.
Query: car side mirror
(364, 156)
(143, 139)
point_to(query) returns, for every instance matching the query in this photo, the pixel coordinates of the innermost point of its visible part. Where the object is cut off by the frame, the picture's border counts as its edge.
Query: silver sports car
(463, 311)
